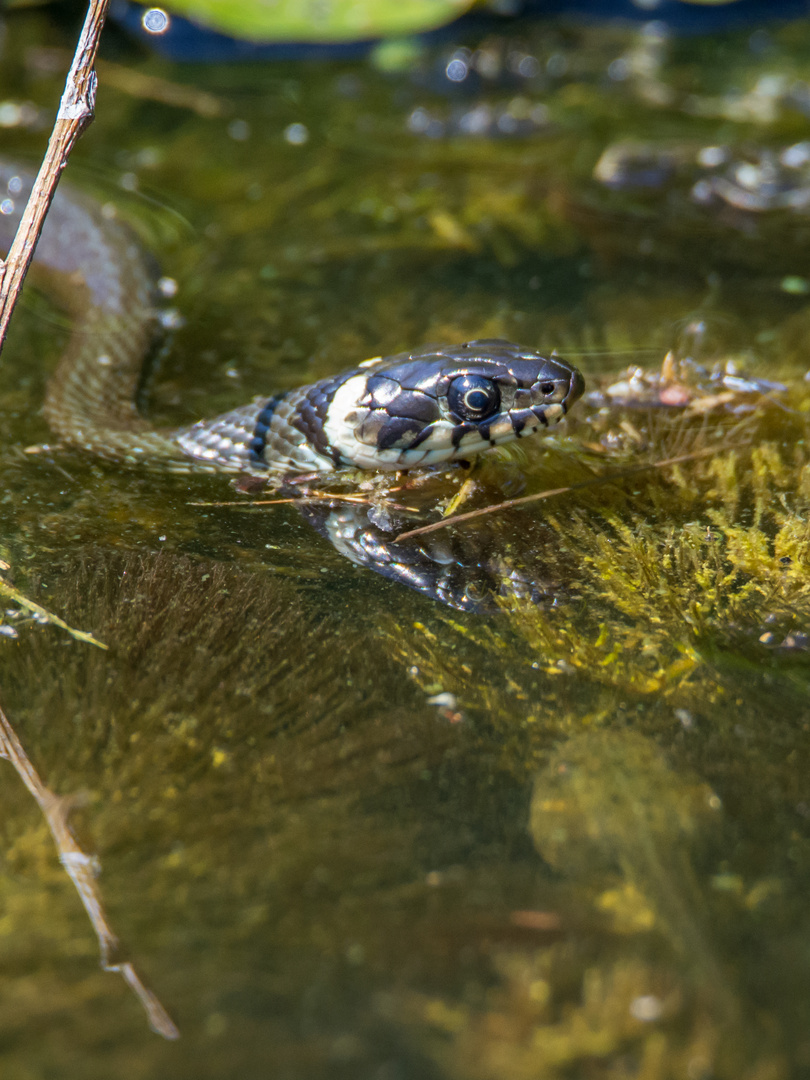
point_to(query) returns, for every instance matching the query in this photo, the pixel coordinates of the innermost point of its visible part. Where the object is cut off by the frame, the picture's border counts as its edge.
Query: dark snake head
(447, 402)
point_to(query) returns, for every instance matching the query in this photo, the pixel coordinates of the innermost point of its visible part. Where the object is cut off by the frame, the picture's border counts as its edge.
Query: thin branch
(304, 500)
(508, 504)
(82, 870)
(43, 614)
(75, 113)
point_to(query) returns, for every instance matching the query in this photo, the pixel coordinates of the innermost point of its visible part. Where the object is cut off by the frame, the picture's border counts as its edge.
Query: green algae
(686, 637)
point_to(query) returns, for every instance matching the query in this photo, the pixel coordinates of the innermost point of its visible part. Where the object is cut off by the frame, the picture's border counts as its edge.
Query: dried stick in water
(82, 870)
(75, 113)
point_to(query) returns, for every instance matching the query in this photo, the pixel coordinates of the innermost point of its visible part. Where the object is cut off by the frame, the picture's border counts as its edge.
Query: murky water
(346, 831)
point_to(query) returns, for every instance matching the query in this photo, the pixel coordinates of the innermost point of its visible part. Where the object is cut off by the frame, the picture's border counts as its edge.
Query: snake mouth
(576, 389)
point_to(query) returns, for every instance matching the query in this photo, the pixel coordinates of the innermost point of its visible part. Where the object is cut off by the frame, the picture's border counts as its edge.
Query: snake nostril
(548, 388)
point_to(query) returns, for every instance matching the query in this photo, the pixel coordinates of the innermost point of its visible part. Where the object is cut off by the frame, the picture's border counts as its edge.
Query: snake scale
(415, 409)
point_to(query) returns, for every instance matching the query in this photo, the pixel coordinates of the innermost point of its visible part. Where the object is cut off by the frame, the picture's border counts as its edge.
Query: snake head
(447, 402)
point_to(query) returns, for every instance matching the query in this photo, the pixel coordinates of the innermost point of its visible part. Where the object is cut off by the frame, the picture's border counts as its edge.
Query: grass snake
(412, 410)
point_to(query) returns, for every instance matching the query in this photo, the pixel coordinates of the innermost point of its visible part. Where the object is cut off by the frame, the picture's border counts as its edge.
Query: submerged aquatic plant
(670, 576)
(659, 707)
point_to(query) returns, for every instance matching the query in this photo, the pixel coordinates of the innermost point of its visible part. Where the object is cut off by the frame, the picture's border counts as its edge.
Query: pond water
(346, 830)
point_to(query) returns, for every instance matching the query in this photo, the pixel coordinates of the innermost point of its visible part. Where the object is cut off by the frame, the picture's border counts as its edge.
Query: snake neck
(104, 281)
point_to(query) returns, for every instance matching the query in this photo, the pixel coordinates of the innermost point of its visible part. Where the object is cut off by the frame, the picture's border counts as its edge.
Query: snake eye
(548, 388)
(472, 397)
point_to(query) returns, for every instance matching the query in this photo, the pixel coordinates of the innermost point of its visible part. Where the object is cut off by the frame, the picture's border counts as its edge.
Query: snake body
(412, 410)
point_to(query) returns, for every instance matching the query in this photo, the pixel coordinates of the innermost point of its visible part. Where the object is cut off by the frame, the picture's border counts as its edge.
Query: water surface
(591, 860)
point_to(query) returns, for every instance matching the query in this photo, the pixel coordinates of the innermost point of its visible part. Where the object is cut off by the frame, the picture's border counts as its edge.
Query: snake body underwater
(416, 409)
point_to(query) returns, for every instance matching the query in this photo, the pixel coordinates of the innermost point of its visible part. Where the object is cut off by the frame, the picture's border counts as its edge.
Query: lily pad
(319, 20)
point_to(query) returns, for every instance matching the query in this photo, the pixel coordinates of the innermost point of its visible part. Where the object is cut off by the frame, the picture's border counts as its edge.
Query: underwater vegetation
(345, 831)
(661, 708)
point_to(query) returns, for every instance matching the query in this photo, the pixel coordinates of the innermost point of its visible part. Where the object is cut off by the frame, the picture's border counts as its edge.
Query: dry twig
(82, 870)
(605, 478)
(75, 113)
(43, 613)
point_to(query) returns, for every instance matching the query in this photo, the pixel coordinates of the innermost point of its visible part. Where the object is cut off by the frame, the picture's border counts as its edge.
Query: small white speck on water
(18, 114)
(155, 21)
(445, 700)
(171, 319)
(685, 718)
(239, 130)
(710, 157)
(167, 287)
(296, 134)
(457, 70)
(647, 1007)
(529, 67)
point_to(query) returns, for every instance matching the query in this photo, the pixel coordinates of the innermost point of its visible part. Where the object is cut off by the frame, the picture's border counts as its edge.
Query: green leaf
(319, 20)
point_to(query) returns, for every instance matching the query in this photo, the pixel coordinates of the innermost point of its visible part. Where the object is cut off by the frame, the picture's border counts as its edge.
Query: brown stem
(75, 113)
(82, 870)
(604, 478)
